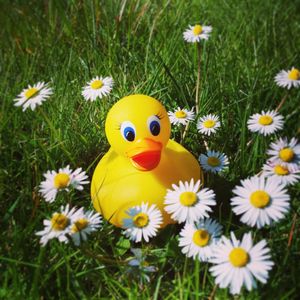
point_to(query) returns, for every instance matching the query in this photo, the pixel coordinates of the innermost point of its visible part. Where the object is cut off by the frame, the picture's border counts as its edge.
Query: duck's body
(142, 169)
(117, 185)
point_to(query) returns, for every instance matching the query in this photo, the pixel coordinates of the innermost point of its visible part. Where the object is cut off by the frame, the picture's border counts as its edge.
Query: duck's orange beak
(145, 155)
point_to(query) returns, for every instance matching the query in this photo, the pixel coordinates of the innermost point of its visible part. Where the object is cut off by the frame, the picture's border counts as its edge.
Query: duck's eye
(128, 131)
(154, 125)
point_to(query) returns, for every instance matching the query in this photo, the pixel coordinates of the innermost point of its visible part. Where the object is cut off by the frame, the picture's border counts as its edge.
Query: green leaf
(122, 245)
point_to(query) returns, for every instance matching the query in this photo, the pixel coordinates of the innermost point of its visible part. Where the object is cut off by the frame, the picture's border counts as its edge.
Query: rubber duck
(142, 162)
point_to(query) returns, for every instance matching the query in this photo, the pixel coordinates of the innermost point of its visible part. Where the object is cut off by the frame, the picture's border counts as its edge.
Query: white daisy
(181, 116)
(213, 161)
(208, 124)
(187, 203)
(143, 222)
(260, 201)
(197, 33)
(139, 261)
(266, 122)
(97, 87)
(138, 266)
(240, 263)
(83, 225)
(78, 177)
(59, 225)
(282, 173)
(33, 96)
(199, 239)
(289, 78)
(285, 152)
(62, 180)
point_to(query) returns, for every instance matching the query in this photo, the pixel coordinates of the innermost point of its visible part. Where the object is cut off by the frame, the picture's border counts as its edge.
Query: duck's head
(138, 127)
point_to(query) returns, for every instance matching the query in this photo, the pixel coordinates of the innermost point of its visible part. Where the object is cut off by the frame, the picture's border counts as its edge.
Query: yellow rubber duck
(142, 162)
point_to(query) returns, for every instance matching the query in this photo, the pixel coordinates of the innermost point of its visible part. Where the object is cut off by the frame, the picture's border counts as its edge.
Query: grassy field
(139, 44)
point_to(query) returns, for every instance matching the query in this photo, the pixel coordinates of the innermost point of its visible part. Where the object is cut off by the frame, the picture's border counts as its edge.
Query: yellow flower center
(213, 161)
(280, 170)
(80, 225)
(188, 198)
(31, 92)
(145, 264)
(59, 222)
(141, 220)
(61, 180)
(238, 257)
(286, 154)
(265, 120)
(294, 74)
(96, 84)
(209, 123)
(260, 199)
(197, 29)
(180, 114)
(201, 237)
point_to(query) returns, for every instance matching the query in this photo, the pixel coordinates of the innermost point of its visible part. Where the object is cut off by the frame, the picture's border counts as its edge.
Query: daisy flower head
(62, 180)
(265, 123)
(213, 161)
(198, 239)
(83, 225)
(139, 261)
(260, 201)
(138, 266)
(197, 33)
(33, 96)
(181, 116)
(97, 87)
(208, 124)
(285, 152)
(187, 203)
(289, 78)
(59, 225)
(143, 222)
(282, 173)
(240, 263)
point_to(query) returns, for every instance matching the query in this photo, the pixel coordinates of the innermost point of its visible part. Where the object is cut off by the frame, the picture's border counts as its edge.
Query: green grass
(140, 44)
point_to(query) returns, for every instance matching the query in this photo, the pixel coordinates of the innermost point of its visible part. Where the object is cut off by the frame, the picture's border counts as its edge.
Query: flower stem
(292, 231)
(184, 132)
(205, 144)
(204, 277)
(212, 294)
(197, 279)
(198, 79)
(281, 102)
(184, 267)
